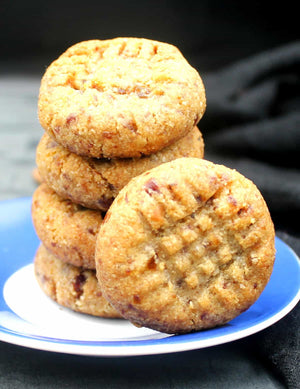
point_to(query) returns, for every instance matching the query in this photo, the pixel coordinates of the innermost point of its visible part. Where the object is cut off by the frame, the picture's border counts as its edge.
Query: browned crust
(68, 230)
(70, 286)
(186, 246)
(94, 183)
(123, 97)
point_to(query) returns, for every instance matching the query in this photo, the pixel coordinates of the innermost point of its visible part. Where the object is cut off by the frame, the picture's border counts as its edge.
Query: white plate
(29, 318)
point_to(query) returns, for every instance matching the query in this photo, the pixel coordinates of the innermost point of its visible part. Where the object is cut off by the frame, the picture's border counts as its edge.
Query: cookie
(122, 97)
(70, 286)
(185, 246)
(94, 183)
(36, 175)
(66, 229)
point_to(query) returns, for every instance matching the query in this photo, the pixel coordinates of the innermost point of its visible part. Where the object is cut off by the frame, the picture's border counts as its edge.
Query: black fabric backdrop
(249, 58)
(252, 124)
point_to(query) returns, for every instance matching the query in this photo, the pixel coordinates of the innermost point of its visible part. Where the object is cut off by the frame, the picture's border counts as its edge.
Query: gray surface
(233, 365)
(20, 132)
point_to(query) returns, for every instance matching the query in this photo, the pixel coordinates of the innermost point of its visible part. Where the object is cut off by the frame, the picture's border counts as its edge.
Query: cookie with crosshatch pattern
(185, 246)
(120, 98)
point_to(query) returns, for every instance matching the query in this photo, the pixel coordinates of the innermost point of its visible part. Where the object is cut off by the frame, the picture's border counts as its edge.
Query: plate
(29, 318)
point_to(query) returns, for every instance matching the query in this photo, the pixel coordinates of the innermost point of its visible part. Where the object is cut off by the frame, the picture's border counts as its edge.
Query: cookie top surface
(71, 286)
(94, 183)
(66, 229)
(122, 97)
(185, 246)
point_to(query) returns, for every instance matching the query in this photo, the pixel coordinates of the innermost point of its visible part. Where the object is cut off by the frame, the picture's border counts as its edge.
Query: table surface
(234, 365)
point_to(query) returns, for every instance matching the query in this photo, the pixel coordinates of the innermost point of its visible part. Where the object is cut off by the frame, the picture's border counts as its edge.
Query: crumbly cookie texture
(70, 286)
(185, 246)
(68, 230)
(94, 183)
(122, 97)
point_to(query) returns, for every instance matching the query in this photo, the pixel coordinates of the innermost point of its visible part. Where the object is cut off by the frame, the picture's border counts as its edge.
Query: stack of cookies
(111, 110)
(133, 221)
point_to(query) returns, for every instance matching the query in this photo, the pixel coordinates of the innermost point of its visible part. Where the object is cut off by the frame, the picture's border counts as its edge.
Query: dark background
(210, 34)
(256, 131)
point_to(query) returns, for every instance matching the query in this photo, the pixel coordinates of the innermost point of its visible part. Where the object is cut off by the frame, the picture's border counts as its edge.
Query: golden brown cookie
(94, 183)
(66, 229)
(185, 246)
(122, 97)
(70, 286)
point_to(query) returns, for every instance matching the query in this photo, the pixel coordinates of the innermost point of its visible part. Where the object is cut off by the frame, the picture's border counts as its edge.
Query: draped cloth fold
(252, 124)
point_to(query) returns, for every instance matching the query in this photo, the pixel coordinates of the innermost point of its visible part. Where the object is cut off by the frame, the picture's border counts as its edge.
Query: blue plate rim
(141, 347)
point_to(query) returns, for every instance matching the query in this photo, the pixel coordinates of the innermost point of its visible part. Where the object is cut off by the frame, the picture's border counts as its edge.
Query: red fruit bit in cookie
(199, 198)
(151, 186)
(71, 118)
(136, 299)
(245, 210)
(151, 265)
(67, 178)
(78, 284)
(232, 200)
(91, 231)
(204, 316)
(90, 146)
